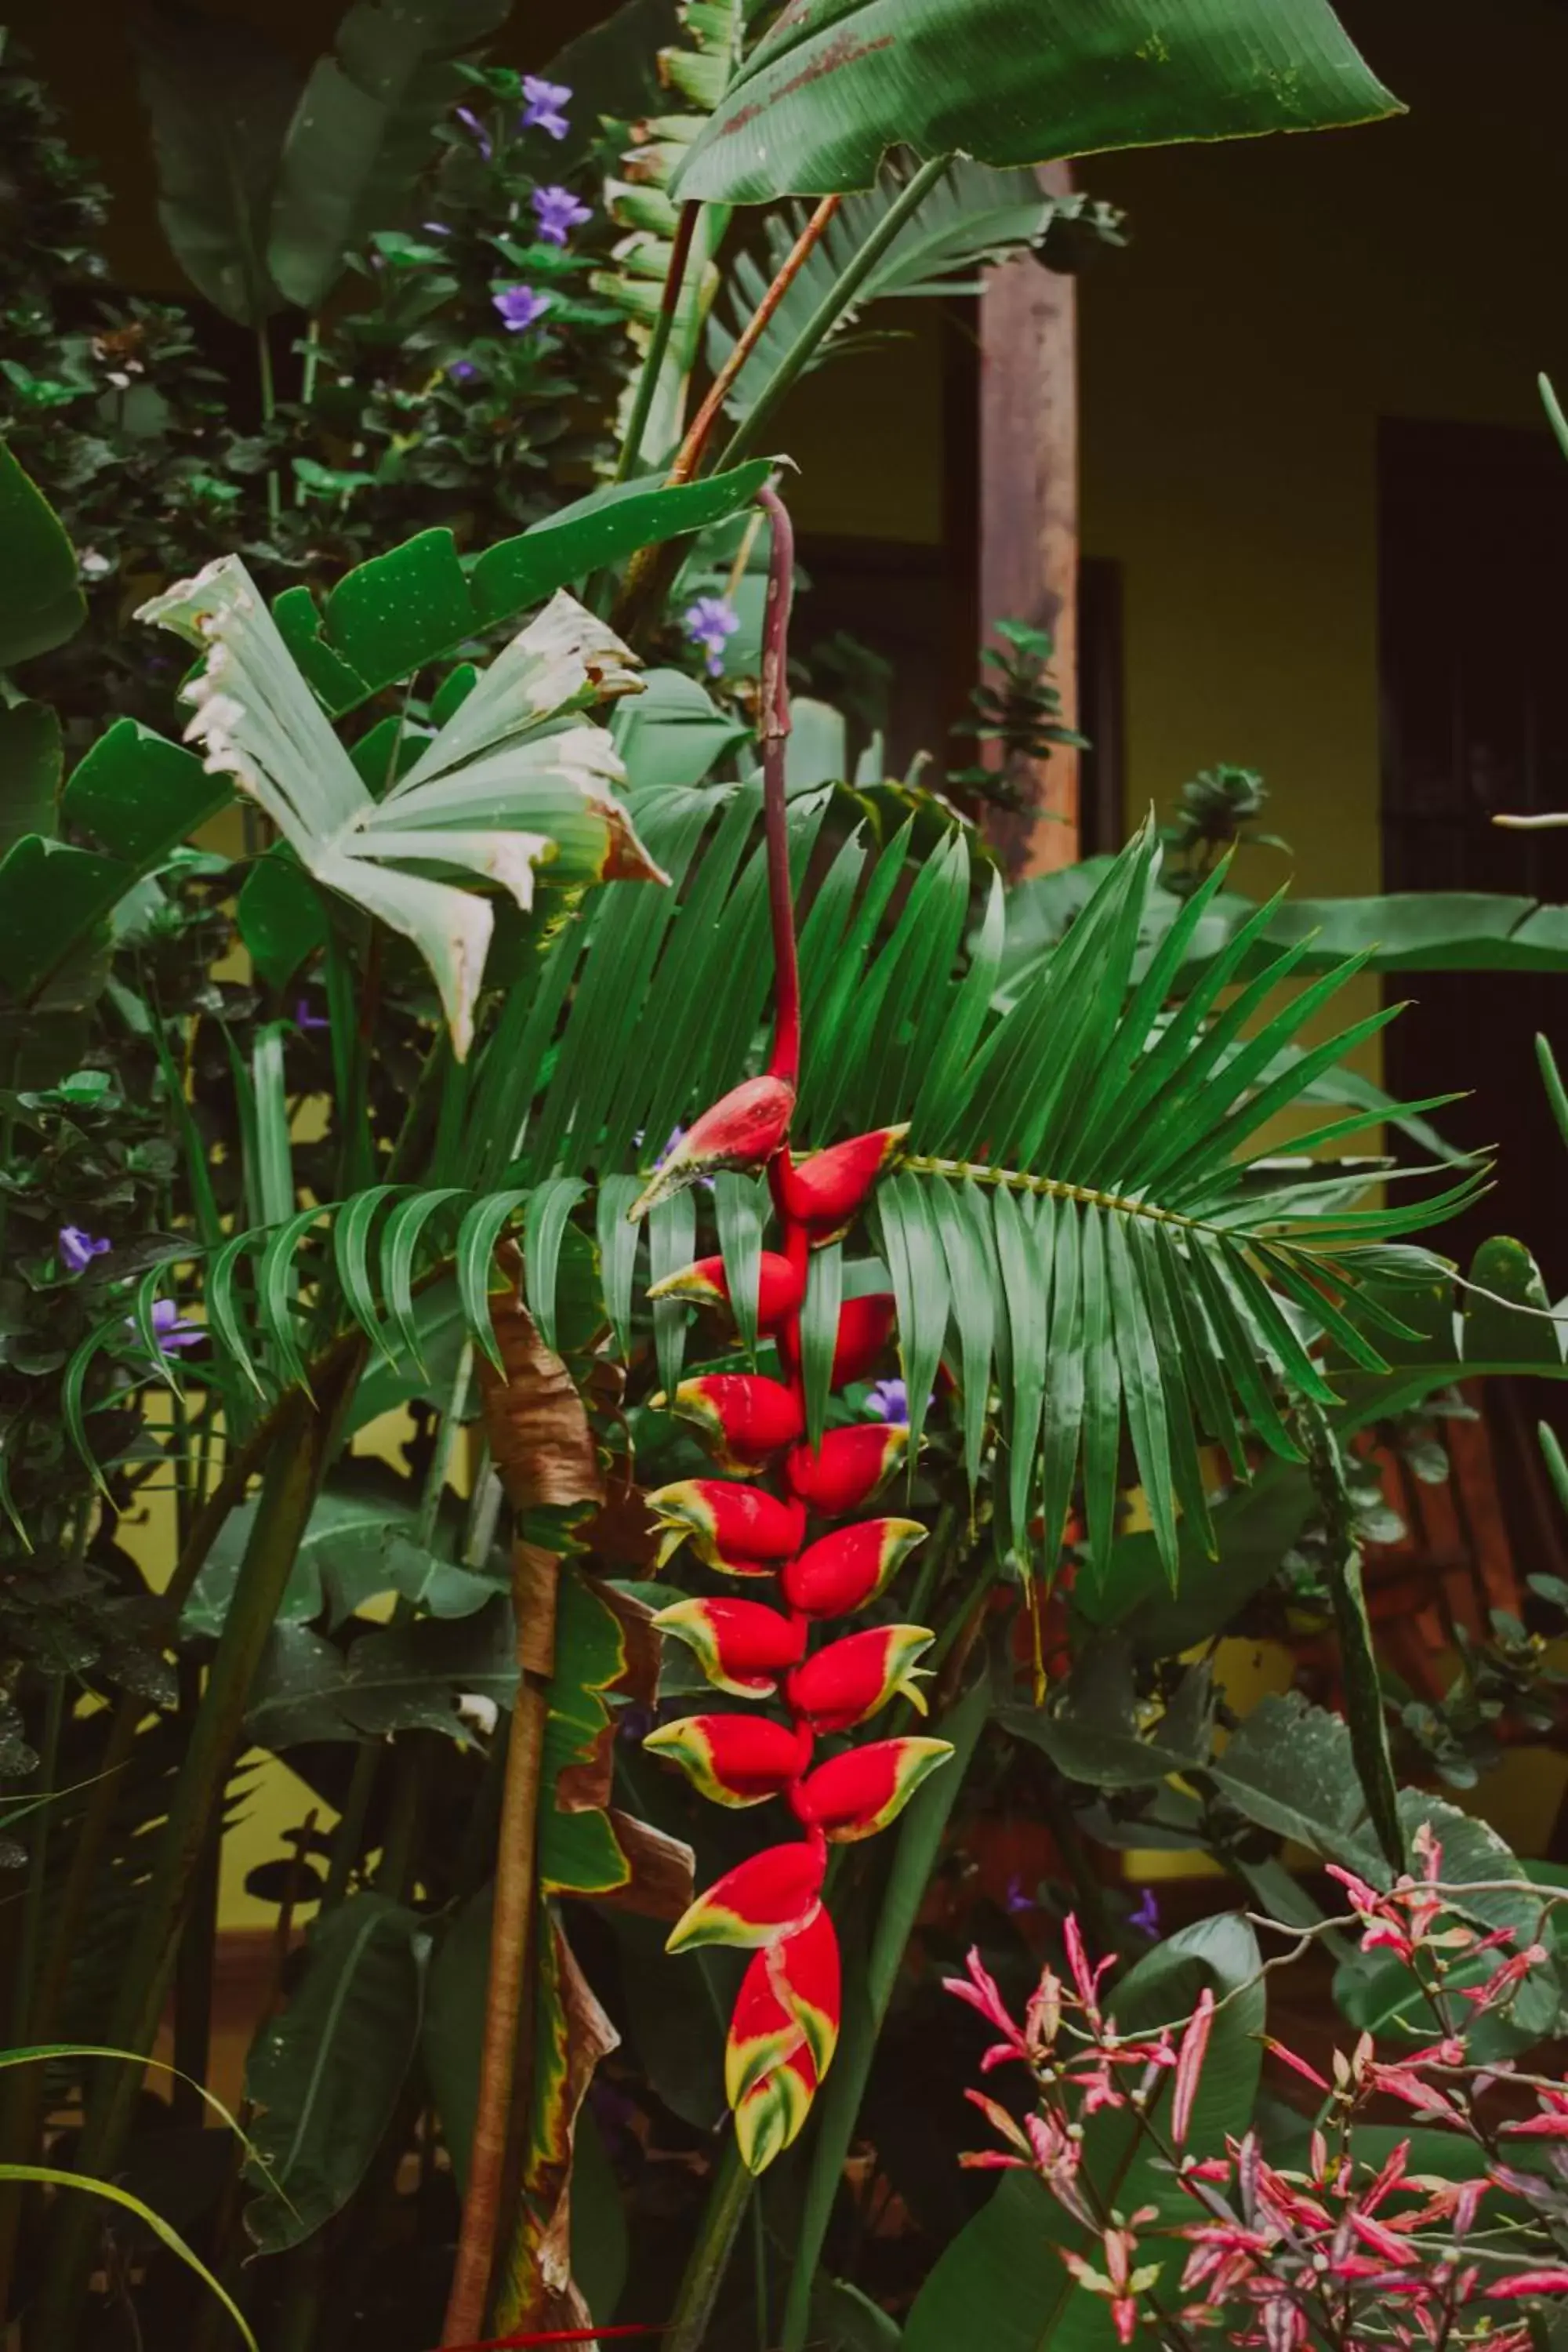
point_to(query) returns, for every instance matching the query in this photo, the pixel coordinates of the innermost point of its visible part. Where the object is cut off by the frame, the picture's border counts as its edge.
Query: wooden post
(1029, 513)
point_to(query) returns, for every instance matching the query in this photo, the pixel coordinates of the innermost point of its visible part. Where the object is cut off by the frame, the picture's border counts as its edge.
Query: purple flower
(168, 1330)
(520, 306)
(1016, 1901)
(543, 106)
(889, 1401)
(676, 1135)
(77, 1250)
(710, 623)
(305, 1019)
(462, 371)
(471, 121)
(1146, 1918)
(435, 228)
(557, 212)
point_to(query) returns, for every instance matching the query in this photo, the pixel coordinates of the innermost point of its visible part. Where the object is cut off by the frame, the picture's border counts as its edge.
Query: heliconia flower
(791, 1994)
(743, 1530)
(706, 1284)
(743, 1129)
(842, 1571)
(741, 1646)
(734, 1760)
(770, 1894)
(746, 1416)
(847, 1467)
(824, 1190)
(775, 2109)
(854, 1795)
(848, 1682)
(865, 1328)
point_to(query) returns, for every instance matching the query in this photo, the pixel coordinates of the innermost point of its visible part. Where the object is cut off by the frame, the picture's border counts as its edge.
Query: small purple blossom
(557, 212)
(519, 307)
(471, 121)
(170, 1331)
(435, 228)
(462, 371)
(709, 623)
(1016, 1901)
(307, 1020)
(1146, 1918)
(78, 1249)
(677, 1135)
(544, 105)
(889, 1401)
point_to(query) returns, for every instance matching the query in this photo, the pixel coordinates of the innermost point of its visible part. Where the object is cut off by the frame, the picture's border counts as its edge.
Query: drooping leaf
(324, 2077)
(360, 136)
(30, 765)
(41, 602)
(829, 89)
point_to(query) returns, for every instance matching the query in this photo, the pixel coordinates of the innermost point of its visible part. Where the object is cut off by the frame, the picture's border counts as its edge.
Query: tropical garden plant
(962, 1222)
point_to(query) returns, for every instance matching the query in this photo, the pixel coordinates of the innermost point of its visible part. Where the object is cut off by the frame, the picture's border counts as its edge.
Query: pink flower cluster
(1343, 2255)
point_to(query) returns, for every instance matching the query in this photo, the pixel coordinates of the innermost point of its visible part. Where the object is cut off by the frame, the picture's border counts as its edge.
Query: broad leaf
(361, 134)
(325, 2076)
(836, 83)
(41, 603)
(1288, 1768)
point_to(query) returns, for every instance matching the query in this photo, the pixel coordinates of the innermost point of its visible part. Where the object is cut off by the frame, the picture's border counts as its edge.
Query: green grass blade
(619, 1242)
(48, 2176)
(739, 1204)
(1027, 1291)
(1066, 1375)
(671, 1241)
(350, 1255)
(959, 1212)
(543, 1233)
(474, 1254)
(400, 1239)
(1143, 1387)
(819, 1333)
(1101, 1390)
(275, 1284)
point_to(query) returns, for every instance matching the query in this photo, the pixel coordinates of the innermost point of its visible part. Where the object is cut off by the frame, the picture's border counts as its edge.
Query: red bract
(734, 1760)
(775, 2109)
(743, 1130)
(747, 1417)
(761, 1898)
(865, 1330)
(824, 1191)
(706, 1284)
(854, 1795)
(740, 1645)
(743, 1530)
(847, 1467)
(790, 1995)
(850, 1680)
(842, 1571)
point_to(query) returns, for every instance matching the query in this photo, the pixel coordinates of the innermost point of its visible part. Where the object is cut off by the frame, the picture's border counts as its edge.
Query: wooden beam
(1029, 514)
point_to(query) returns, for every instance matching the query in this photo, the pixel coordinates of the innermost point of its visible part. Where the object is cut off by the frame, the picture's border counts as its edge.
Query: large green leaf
(41, 603)
(361, 134)
(836, 83)
(30, 764)
(219, 96)
(324, 2076)
(1001, 2282)
(1288, 1767)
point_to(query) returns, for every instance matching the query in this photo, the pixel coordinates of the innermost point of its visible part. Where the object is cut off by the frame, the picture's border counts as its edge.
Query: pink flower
(1190, 2065)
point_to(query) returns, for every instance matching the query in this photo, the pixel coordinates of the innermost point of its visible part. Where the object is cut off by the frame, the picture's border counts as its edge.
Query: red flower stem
(774, 730)
(689, 454)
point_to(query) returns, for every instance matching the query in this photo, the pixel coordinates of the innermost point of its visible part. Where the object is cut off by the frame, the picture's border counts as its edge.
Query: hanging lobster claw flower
(706, 1284)
(743, 1130)
(842, 1571)
(734, 1760)
(865, 1330)
(743, 1530)
(775, 2109)
(741, 1646)
(847, 1467)
(824, 1190)
(849, 1682)
(770, 1894)
(746, 1417)
(855, 1795)
(790, 1994)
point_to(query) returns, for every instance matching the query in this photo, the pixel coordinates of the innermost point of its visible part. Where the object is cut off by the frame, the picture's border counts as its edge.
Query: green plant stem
(867, 1992)
(268, 410)
(304, 1446)
(658, 344)
(726, 2209)
(349, 1837)
(1364, 1711)
(830, 310)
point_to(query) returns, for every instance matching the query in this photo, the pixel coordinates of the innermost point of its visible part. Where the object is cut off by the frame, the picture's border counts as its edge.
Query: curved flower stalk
(786, 2022)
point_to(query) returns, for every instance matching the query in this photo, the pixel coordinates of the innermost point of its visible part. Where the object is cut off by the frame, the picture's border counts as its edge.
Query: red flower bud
(743, 1130)
(790, 1995)
(734, 1760)
(865, 1328)
(775, 2109)
(847, 1467)
(746, 1416)
(850, 1680)
(854, 1795)
(741, 1646)
(844, 1569)
(824, 1190)
(770, 1894)
(743, 1530)
(706, 1284)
